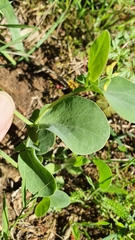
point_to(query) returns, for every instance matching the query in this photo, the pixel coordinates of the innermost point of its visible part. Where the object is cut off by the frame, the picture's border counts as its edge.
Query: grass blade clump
(11, 18)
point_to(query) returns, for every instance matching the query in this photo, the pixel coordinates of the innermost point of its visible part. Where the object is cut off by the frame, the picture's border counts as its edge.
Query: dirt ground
(32, 84)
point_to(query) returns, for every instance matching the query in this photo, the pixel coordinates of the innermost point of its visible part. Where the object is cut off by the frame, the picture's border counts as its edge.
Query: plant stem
(9, 159)
(24, 119)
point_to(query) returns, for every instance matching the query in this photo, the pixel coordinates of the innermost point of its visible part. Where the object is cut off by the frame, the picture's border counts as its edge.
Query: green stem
(24, 119)
(9, 159)
(94, 192)
(87, 83)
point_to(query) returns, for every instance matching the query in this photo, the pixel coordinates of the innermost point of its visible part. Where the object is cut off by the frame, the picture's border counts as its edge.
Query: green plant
(115, 206)
(79, 123)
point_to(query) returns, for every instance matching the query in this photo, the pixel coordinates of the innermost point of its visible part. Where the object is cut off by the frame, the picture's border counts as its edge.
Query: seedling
(79, 123)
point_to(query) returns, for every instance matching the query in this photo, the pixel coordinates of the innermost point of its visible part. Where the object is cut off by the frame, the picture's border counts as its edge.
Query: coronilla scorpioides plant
(79, 123)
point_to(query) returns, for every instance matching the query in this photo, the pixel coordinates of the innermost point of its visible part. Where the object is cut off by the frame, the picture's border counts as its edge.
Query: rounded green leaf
(105, 174)
(80, 124)
(38, 179)
(46, 140)
(120, 94)
(59, 199)
(42, 207)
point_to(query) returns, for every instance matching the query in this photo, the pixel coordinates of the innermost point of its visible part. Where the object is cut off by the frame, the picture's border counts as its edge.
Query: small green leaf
(33, 130)
(42, 207)
(102, 223)
(121, 96)
(35, 115)
(98, 56)
(46, 140)
(60, 181)
(79, 122)
(80, 161)
(33, 133)
(38, 180)
(20, 147)
(76, 161)
(59, 199)
(89, 180)
(105, 175)
(52, 167)
(119, 224)
(81, 79)
(74, 170)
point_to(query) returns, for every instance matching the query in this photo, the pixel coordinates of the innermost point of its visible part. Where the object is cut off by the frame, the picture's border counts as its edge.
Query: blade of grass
(10, 59)
(18, 26)
(10, 16)
(24, 192)
(5, 221)
(19, 54)
(13, 42)
(8, 158)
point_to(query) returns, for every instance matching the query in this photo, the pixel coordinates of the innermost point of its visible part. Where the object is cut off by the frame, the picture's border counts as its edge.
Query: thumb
(7, 108)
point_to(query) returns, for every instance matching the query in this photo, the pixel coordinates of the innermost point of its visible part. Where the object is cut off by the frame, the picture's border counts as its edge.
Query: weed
(80, 123)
